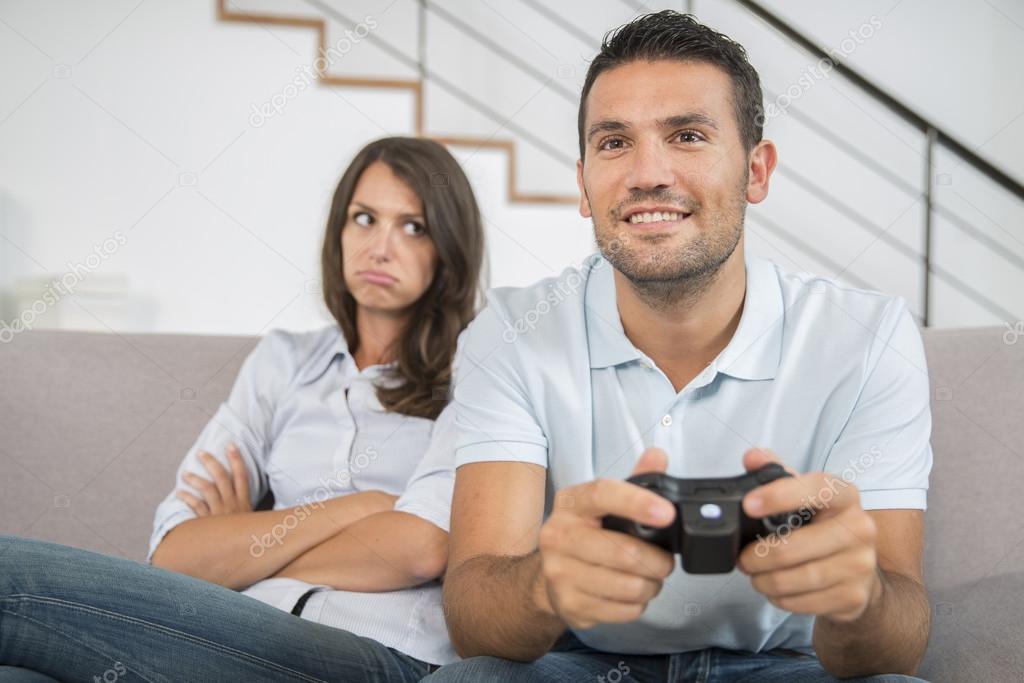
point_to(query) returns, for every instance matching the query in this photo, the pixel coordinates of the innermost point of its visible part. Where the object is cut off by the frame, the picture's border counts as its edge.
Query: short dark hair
(671, 35)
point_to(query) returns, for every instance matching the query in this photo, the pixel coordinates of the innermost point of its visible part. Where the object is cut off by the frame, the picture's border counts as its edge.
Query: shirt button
(666, 421)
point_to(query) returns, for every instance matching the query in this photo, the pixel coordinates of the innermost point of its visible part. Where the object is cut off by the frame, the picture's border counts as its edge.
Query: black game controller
(710, 527)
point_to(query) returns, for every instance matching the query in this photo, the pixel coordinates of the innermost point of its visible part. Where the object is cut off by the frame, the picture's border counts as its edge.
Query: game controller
(710, 528)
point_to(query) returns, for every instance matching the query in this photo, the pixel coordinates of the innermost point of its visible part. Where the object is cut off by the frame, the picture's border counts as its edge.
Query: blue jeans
(69, 614)
(571, 660)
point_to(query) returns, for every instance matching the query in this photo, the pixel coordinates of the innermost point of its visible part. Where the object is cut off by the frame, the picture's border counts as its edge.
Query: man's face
(665, 173)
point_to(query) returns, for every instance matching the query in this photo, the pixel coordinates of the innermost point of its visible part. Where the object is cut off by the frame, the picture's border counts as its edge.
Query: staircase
(867, 190)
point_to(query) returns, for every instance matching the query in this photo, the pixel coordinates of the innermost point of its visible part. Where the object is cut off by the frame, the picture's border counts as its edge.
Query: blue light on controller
(710, 511)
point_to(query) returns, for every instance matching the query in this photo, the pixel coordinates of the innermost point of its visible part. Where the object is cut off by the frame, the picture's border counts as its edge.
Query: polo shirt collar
(754, 352)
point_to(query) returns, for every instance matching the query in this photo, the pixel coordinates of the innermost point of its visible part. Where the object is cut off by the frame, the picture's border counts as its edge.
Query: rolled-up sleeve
(884, 448)
(245, 419)
(494, 417)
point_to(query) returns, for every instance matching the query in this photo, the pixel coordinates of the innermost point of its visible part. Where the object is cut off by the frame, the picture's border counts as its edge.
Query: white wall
(131, 122)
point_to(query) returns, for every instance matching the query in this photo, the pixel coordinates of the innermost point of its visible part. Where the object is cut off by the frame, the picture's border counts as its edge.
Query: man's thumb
(652, 460)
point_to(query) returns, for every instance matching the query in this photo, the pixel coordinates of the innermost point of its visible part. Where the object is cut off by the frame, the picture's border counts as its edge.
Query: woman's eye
(414, 228)
(362, 218)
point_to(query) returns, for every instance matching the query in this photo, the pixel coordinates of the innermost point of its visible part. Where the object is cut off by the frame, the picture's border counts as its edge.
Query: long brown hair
(425, 349)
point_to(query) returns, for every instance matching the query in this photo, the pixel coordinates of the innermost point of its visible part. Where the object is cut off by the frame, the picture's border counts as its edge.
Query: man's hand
(226, 494)
(829, 567)
(597, 576)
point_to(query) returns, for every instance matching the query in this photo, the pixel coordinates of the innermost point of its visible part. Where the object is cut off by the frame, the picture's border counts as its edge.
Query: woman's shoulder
(296, 354)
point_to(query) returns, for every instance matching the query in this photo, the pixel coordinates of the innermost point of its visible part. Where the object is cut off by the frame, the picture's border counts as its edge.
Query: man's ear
(763, 159)
(584, 200)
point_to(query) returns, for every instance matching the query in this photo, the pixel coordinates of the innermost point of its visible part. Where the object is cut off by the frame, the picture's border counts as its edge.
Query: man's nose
(651, 169)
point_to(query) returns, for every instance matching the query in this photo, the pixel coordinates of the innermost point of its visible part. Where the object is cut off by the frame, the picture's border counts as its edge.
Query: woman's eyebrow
(373, 210)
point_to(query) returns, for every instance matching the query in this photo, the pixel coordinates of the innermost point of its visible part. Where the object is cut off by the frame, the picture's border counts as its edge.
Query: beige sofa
(92, 427)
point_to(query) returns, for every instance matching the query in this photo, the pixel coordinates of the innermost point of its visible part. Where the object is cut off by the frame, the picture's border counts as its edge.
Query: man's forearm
(383, 552)
(487, 614)
(890, 637)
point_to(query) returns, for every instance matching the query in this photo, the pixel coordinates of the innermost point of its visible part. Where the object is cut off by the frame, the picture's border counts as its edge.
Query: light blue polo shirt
(830, 377)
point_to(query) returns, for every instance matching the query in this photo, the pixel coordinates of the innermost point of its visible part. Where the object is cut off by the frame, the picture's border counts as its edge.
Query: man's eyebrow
(688, 119)
(606, 126)
(678, 121)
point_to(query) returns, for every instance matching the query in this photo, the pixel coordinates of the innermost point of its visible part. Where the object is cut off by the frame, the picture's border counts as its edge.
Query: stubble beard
(669, 277)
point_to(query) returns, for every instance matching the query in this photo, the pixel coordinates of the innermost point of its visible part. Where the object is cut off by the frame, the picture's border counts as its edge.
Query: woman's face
(389, 260)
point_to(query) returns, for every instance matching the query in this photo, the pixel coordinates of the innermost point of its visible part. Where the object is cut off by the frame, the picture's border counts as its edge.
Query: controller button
(710, 511)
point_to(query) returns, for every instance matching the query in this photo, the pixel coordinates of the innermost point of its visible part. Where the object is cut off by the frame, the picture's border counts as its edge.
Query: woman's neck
(378, 336)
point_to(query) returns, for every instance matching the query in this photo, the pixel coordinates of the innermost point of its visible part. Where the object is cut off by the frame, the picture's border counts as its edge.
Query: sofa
(93, 426)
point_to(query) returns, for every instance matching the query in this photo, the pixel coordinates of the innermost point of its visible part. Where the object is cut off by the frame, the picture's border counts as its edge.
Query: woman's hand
(226, 494)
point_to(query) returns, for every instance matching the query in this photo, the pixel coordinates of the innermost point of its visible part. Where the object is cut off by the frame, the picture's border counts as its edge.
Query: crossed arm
(354, 542)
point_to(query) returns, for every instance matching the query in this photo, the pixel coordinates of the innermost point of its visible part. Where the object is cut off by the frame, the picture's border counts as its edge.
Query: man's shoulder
(829, 324)
(828, 305)
(550, 308)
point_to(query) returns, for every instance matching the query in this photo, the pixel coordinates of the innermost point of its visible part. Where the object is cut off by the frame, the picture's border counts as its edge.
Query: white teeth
(655, 217)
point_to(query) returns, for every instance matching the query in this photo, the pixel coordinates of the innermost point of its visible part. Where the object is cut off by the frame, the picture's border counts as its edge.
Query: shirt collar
(754, 352)
(330, 346)
(607, 342)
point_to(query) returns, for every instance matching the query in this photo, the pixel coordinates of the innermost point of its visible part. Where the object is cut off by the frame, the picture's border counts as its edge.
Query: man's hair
(671, 35)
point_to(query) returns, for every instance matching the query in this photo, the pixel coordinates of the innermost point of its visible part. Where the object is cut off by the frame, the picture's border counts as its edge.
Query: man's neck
(683, 331)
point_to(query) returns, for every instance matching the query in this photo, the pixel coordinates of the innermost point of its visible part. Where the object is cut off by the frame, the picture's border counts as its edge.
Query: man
(673, 351)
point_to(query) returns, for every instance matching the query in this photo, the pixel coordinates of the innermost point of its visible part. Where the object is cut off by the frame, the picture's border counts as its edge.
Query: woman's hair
(425, 349)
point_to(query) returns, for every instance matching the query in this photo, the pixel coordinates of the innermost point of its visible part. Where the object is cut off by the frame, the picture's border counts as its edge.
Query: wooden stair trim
(415, 86)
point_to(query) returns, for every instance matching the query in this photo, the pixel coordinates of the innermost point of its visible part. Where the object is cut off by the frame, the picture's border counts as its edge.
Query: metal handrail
(902, 110)
(934, 135)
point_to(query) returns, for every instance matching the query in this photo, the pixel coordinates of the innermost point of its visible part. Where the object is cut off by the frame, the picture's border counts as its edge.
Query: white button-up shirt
(310, 427)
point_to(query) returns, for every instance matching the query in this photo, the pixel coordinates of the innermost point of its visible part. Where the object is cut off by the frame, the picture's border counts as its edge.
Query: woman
(339, 425)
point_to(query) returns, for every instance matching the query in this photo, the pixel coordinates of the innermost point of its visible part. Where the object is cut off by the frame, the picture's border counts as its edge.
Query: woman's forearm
(386, 551)
(237, 550)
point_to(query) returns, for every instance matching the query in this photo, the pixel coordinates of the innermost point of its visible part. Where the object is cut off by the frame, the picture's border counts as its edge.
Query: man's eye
(414, 228)
(612, 143)
(362, 218)
(689, 136)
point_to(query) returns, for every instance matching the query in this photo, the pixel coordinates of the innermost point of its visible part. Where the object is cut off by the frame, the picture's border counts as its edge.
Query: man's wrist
(876, 599)
(539, 589)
